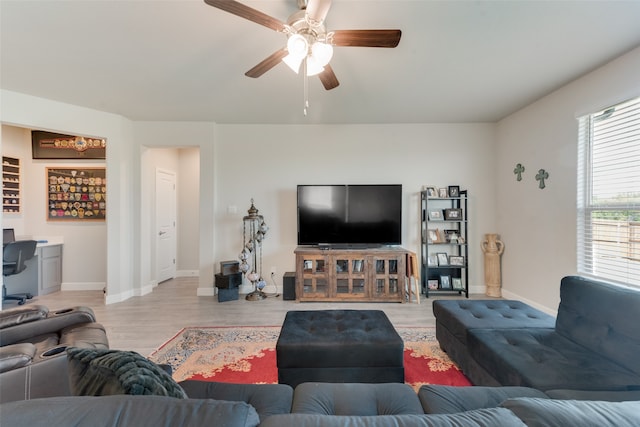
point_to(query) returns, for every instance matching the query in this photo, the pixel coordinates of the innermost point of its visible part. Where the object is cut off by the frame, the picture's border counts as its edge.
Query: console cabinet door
(312, 276)
(50, 259)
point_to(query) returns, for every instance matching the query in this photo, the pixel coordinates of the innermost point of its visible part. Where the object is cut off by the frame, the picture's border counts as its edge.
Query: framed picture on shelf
(456, 283)
(451, 236)
(443, 258)
(431, 191)
(432, 260)
(456, 260)
(453, 214)
(435, 214)
(445, 282)
(432, 284)
(454, 191)
(434, 236)
(442, 193)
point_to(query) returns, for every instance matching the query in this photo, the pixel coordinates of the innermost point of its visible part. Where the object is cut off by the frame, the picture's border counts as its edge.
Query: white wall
(267, 162)
(539, 226)
(188, 212)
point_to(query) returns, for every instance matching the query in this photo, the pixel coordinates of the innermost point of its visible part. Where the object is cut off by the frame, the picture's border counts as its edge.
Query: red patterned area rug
(247, 355)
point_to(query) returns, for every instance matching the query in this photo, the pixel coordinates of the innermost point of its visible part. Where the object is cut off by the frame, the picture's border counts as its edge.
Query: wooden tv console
(376, 274)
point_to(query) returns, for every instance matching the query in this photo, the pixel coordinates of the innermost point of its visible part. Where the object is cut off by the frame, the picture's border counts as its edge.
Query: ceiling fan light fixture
(314, 67)
(298, 46)
(293, 62)
(322, 53)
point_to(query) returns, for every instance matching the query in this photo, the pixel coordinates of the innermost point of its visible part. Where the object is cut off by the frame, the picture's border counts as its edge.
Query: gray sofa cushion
(443, 399)
(98, 372)
(461, 315)
(547, 413)
(138, 411)
(267, 399)
(355, 399)
(496, 417)
(596, 316)
(543, 359)
(603, 395)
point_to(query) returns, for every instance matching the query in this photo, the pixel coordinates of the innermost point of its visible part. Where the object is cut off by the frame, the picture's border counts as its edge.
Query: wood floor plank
(142, 324)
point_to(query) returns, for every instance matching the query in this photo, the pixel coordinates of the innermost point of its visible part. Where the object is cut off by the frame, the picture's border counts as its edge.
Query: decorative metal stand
(251, 256)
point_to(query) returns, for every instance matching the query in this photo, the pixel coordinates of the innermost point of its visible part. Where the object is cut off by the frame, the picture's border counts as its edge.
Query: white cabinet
(49, 269)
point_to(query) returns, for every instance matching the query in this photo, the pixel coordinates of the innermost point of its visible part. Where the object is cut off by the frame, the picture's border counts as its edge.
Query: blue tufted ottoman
(455, 317)
(339, 346)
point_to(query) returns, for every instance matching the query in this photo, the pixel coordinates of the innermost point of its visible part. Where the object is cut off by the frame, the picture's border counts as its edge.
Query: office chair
(14, 256)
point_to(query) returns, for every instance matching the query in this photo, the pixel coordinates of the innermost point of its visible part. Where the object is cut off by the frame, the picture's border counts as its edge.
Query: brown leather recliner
(33, 341)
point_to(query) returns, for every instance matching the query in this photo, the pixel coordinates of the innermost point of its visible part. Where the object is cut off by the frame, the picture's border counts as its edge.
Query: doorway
(165, 233)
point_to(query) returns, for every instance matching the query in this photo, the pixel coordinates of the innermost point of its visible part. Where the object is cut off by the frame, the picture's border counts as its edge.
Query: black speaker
(289, 286)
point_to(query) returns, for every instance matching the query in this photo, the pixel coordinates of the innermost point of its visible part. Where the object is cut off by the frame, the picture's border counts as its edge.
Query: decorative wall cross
(541, 176)
(518, 171)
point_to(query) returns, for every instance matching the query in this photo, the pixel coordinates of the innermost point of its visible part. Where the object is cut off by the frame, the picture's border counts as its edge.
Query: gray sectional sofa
(529, 369)
(328, 405)
(593, 344)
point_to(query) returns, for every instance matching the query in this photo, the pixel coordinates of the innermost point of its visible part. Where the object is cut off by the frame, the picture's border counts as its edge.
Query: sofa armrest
(53, 322)
(16, 356)
(47, 378)
(20, 315)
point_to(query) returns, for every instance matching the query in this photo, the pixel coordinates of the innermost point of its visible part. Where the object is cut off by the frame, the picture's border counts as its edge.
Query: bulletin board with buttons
(77, 194)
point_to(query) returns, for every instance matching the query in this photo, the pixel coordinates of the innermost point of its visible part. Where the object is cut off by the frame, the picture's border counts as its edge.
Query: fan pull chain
(305, 106)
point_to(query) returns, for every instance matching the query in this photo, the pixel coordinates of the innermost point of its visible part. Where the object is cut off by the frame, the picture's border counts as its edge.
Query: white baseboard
(510, 295)
(187, 273)
(123, 296)
(206, 292)
(83, 286)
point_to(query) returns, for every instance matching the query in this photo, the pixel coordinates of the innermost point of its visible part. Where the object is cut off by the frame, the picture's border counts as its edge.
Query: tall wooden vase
(492, 247)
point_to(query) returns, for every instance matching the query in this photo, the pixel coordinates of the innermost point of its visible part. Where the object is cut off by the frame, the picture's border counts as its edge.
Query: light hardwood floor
(142, 324)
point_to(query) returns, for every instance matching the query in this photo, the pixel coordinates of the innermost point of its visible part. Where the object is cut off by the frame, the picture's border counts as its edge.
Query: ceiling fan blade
(317, 10)
(367, 38)
(247, 12)
(264, 66)
(328, 78)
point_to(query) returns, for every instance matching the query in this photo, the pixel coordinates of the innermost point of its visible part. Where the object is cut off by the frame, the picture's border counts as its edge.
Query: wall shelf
(11, 185)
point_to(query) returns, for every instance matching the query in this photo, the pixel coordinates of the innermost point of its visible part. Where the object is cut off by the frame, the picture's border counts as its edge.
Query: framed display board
(48, 145)
(76, 194)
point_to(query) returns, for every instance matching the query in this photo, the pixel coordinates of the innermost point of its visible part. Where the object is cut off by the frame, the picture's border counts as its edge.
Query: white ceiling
(457, 61)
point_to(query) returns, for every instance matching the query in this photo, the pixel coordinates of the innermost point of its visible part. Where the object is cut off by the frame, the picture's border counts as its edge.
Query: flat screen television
(350, 215)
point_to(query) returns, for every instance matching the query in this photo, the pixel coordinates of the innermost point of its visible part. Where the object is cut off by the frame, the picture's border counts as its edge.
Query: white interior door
(165, 225)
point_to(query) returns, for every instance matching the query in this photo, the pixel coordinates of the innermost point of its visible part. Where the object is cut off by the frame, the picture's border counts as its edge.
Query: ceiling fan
(309, 44)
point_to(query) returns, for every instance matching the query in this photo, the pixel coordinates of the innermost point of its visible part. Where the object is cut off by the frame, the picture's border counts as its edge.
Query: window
(609, 194)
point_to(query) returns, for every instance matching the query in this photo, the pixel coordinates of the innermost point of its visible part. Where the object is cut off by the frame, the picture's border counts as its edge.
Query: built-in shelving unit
(11, 185)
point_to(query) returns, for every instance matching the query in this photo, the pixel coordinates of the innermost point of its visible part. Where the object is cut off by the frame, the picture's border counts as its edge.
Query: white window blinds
(609, 194)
